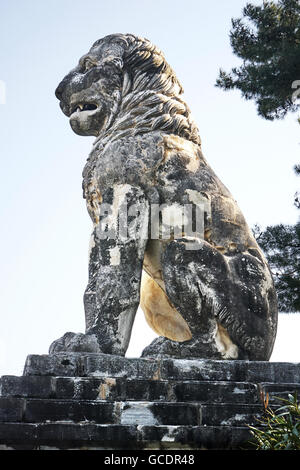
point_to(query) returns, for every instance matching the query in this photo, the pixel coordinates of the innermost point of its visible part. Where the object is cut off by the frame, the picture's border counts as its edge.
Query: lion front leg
(112, 296)
(116, 299)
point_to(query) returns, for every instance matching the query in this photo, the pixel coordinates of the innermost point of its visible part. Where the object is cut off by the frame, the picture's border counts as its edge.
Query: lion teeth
(79, 107)
(84, 107)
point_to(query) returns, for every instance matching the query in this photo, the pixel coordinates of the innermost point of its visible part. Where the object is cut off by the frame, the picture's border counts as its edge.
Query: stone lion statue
(206, 287)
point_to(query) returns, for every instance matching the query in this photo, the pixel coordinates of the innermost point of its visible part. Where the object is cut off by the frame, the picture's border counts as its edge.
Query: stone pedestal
(98, 401)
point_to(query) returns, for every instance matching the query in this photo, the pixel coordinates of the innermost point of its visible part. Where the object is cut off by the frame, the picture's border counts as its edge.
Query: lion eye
(87, 64)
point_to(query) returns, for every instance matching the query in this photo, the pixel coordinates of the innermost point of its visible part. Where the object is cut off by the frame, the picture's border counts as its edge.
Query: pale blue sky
(44, 222)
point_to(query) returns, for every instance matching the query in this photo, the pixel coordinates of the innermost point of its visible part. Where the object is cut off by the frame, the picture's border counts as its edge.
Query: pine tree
(267, 39)
(281, 245)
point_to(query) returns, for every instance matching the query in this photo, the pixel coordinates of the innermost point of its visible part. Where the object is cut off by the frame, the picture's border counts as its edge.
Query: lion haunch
(167, 233)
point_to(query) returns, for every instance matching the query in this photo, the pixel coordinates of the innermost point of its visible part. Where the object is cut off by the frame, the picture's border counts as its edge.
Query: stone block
(212, 437)
(163, 436)
(202, 369)
(152, 390)
(63, 364)
(159, 413)
(277, 372)
(105, 365)
(214, 392)
(71, 435)
(276, 391)
(26, 386)
(194, 437)
(188, 414)
(15, 433)
(66, 387)
(228, 414)
(286, 372)
(11, 409)
(68, 410)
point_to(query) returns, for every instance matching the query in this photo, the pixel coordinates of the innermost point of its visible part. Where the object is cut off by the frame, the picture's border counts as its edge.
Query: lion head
(124, 86)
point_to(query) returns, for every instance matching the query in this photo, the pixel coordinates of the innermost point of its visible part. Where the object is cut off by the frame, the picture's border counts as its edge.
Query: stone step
(102, 412)
(74, 400)
(121, 389)
(278, 391)
(104, 365)
(122, 437)
(33, 410)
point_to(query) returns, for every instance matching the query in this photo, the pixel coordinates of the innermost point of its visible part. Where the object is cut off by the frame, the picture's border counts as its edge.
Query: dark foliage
(281, 245)
(267, 39)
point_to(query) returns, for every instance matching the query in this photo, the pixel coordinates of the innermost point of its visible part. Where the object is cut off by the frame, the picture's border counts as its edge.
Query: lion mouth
(80, 107)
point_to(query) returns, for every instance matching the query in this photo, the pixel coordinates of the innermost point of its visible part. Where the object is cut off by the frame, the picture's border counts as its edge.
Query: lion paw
(162, 346)
(75, 342)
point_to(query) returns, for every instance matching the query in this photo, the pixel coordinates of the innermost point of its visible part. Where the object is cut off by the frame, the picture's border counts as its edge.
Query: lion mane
(150, 98)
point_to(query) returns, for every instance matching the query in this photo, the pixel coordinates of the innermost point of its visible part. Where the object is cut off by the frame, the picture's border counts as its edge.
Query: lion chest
(131, 161)
(168, 169)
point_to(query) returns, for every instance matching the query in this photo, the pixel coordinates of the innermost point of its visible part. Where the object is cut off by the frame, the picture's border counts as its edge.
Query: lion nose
(63, 85)
(59, 90)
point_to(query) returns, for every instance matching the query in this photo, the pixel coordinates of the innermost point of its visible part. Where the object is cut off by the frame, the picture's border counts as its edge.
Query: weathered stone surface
(11, 409)
(80, 365)
(276, 391)
(229, 414)
(206, 288)
(67, 435)
(60, 364)
(195, 369)
(77, 342)
(124, 437)
(215, 392)
(101, 412)
(145, 404)
(129, 413)
(120, 389)
(238, 371)
(30, 386)
(68, 410)
(106, 365)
